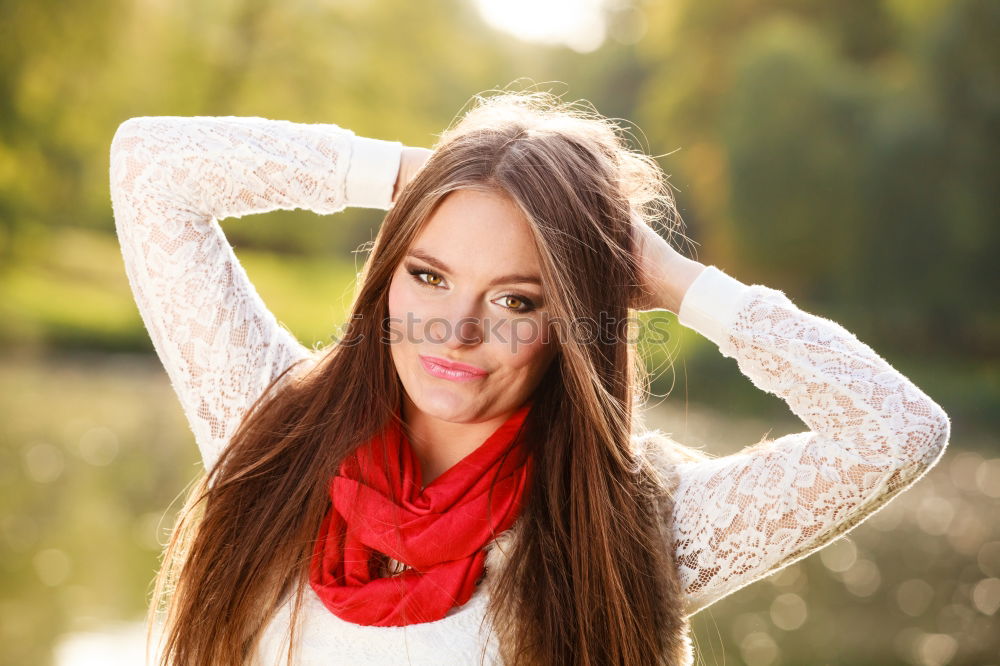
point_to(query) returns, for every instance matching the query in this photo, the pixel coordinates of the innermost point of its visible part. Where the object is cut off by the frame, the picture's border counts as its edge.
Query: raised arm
(172, 179)
(872, 434)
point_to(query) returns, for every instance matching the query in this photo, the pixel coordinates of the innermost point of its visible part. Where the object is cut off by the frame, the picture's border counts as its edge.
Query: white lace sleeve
(172, 179)
(873, 434)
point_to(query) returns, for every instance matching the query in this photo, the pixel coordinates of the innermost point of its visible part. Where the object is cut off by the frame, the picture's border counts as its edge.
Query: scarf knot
(380, 509)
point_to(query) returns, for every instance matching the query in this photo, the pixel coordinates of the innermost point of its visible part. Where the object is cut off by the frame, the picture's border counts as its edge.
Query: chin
(445, 403)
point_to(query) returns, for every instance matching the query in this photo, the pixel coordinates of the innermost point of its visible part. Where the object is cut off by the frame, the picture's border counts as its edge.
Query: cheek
(396, 297)
(399, 307)
(526, 349)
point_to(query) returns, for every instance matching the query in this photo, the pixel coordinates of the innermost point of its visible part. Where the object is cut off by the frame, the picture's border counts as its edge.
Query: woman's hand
(666, 274)
(410, 162)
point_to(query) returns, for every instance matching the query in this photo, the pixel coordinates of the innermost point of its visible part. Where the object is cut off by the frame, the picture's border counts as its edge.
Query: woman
(460, 478)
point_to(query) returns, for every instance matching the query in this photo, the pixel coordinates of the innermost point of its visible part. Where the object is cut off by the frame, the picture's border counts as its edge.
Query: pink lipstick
(459, 372)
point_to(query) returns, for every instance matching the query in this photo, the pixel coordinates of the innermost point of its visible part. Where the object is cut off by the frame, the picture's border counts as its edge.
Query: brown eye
(517, 303)
(433, 279)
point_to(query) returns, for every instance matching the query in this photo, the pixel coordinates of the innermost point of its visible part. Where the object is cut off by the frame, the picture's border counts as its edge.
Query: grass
(72, 292)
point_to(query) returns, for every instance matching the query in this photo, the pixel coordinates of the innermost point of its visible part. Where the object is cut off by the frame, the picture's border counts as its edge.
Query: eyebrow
(503, 279)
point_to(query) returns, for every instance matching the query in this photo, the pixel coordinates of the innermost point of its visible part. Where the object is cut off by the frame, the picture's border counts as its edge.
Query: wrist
(679, 273)
(411, 159)
(400, 175)
(370, 176)
(711, 303)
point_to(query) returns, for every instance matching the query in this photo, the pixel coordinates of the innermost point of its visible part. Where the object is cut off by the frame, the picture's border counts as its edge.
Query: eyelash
(416, 272)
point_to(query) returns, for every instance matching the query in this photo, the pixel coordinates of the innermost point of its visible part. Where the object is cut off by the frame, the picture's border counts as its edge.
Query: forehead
(479, 232)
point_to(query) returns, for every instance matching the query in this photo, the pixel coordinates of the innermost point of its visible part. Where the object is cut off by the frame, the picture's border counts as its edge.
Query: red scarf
(438, 531)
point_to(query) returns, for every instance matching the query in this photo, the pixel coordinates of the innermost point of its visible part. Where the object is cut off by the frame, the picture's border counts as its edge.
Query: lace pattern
(172, 179)
(872, 434)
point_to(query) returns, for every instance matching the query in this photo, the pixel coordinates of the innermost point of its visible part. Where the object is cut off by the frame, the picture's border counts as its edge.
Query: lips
(445, 369)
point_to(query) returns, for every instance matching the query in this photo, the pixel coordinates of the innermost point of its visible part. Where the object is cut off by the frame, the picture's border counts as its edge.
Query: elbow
(941, 430)
(129, 156)
(128, 131)
(123, 143)
(937, 433)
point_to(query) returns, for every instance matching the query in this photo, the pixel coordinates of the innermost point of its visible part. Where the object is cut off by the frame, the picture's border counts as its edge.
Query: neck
(440, 444)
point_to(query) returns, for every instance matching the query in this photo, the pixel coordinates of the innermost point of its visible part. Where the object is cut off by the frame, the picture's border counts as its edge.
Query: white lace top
(871, 434)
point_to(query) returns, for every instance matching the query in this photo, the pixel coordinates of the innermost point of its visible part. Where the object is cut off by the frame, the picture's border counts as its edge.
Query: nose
(461, 326)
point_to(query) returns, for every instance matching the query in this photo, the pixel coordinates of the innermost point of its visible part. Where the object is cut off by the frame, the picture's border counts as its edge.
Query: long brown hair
(590, 578)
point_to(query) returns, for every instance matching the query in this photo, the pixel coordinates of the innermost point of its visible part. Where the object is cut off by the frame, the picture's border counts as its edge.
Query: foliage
(846, 153)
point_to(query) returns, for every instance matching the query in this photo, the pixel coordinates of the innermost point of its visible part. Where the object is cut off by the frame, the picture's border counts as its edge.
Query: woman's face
(469, 292)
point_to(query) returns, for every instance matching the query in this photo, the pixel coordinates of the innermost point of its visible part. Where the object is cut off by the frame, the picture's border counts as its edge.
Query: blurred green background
(847, 153)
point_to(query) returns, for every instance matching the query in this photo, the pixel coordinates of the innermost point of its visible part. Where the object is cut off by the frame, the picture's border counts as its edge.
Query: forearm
(231, 166)
(171, 178)
(872, 433)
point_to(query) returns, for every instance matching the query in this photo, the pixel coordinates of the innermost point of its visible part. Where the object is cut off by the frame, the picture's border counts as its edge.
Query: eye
(520, 303)
(433, 279)
(514, 302)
